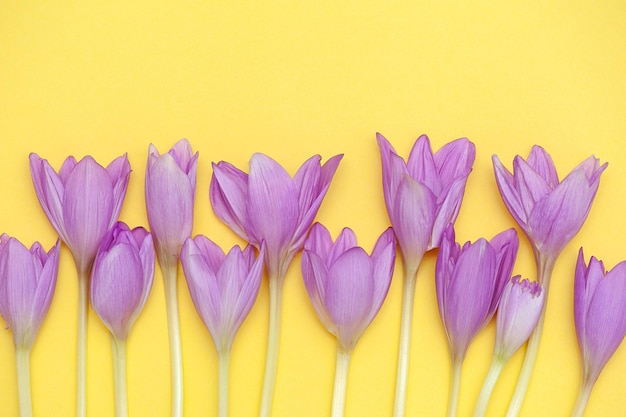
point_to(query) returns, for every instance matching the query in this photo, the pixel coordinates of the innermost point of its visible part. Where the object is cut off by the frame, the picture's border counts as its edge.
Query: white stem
(119, 377)
(341, 382)
(455, 387)
(22, 361)
(497, 363)
(170, 271)
(224, 362)
(582, 399)
(81, 349)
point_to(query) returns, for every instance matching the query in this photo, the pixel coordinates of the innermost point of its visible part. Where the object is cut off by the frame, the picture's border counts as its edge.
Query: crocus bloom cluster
(170, 195)
(82, 201)
(122, 277)
(549, 212)
(424, 194)
(347, 286)
(268, 205)
(600, 316)
(27, 282)
(223, 287)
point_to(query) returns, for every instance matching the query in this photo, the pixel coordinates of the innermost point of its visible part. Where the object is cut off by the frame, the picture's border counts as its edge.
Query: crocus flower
(223, 289)
(27, 282)
(121, 280)
(600, 317)
(82, 202)
(518, 313)
(170, 189)
(469, 282)
(422, 195)
(550, 212)
(269, 205)
(347, 288)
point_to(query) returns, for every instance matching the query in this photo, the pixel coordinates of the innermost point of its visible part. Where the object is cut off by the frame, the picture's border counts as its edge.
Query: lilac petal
(247, 294)
(531, 186)
(509, 194)
(592, 169)
(307, 180)
(147, 257)
(413, 218)
(349, 295)
(448, 211)
(469, 294)
(272, 206)
(346, 240)
(319, 241)
(228, 191)
(541, 162)
(422, 167)
(505, 245)
(446, 260)
(315, 275)
(50, 192)
(119, 172)
(88, 208)
(45, 288)
(557, 218)
(394, 170)
(212, 253)
(383, 259)
(606, 319)
(581, 298)
(66, 169)
(328, 170)
(454, 160)
(185, 159)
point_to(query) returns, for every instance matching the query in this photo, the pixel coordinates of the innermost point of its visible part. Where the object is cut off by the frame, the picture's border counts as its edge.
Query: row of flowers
(347, 286)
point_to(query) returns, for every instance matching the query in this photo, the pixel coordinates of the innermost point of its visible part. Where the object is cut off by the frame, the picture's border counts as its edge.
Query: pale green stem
(22, 361)
(544, 273)
(273, 339)
(341, 382)
(582, 399)
(497, 363)
(170, 271)
(455, 386)
(119, 377)
(404, 346)
(81, 349)
(224, 362)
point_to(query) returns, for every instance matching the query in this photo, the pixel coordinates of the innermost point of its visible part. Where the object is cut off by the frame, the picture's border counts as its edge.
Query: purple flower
(469, 282)
(122, 277)
(347, 286)
(268, 205)
(82, 202)
(170, 190)
(424, 195)
(223, 287)
(549, 212)
(599, 313)
(27, 282)
(518, 313)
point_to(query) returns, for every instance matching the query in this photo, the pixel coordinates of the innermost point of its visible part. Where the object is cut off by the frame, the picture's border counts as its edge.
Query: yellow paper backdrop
(292, 79)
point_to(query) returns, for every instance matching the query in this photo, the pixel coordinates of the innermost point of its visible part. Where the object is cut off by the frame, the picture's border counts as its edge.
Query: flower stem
(81, 349)
(497, 363)
(455, 385)
(119, 377)
(273, 338)
(544, 273)
(170, 271)
(404, 346)
(224, 362)
(341, 382)
(582, 399)
(22, 361)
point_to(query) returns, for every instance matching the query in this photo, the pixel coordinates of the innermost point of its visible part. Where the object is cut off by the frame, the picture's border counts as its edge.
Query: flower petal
(228, 191)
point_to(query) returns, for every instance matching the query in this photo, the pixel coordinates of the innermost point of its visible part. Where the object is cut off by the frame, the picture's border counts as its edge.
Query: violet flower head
(223, 287)
(469, 282)
(122, 277)
(599, 313)
(268, 205)
(170, 191)
(82, 201)
(27, 282)
(549, 212)
(424, 194)
(346, 285)
(518, 314)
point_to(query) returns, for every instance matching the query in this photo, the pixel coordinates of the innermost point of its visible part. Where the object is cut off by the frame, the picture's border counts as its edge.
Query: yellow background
(292, 79)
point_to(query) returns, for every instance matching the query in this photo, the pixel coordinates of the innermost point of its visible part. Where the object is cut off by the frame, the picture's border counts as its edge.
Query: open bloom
(518, 314)
(27, 282)
(268, 205)
(170, 191)
(122, 277)
(82, 201)
(549, 212)
(599, 313)
(469, 284)
(424, 194)
(223, 287)
(346, 285)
